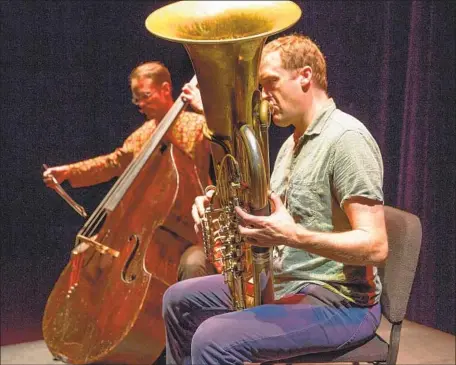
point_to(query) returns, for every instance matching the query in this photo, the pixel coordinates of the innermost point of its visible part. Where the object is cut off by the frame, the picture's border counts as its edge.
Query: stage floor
(419, 345)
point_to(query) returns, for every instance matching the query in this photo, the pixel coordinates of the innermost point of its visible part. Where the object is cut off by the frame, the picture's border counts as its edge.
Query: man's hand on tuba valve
(199, 208)
(276, 229)
(201, 225)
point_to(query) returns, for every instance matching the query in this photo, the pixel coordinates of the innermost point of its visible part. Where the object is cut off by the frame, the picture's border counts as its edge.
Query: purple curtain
(412, 114)
(427, 183)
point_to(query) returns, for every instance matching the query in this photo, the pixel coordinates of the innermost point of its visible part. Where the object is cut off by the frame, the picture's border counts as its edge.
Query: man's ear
(305, 75)
(166, 88)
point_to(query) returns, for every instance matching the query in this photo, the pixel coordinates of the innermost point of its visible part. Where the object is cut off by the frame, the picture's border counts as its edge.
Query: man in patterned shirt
(152, 92)
(327, 230)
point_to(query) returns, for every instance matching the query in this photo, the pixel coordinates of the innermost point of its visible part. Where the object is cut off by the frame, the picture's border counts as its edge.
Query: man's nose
(141, 103)
(265, 95)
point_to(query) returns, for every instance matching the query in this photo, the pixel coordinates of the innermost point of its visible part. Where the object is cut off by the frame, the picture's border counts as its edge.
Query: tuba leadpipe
(224, 40)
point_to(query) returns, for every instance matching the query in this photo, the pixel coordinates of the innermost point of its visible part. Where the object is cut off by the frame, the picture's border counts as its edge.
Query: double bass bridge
(86, 242)
(76, 262)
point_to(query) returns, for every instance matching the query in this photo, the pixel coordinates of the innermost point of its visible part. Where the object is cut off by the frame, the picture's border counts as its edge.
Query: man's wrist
(299, 237)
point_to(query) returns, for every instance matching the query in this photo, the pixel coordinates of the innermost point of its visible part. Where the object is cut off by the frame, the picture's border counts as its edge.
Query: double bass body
(113, 313)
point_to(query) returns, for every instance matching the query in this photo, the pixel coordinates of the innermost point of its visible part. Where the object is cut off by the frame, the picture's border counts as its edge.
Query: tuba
(224, 40)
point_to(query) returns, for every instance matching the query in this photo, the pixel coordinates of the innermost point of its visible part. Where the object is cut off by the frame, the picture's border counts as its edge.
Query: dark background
(65, 97)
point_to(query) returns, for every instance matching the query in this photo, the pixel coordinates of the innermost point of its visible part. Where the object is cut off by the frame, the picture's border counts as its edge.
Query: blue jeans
(202, 328)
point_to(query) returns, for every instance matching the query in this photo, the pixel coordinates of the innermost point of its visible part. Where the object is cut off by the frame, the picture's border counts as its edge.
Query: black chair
(404, 236)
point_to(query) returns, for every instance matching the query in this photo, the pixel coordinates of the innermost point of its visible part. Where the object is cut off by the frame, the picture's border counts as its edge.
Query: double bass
(106, 305)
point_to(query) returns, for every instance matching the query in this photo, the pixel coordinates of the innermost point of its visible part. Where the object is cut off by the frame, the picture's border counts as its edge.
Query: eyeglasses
(142, 96)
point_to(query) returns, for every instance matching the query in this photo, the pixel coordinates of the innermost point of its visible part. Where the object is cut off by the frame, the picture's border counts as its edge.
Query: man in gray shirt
(327, 230)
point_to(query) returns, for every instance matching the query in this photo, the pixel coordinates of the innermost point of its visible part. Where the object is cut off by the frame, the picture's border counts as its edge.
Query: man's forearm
(356, 247)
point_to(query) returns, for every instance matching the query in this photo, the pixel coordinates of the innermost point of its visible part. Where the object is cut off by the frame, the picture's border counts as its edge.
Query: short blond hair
(297, 51)
(153, 70)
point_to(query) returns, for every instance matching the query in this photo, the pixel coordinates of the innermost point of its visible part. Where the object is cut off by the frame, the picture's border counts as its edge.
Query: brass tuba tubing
(224, 40)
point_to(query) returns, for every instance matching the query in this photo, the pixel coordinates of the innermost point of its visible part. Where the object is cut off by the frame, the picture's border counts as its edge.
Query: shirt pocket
(308, 202)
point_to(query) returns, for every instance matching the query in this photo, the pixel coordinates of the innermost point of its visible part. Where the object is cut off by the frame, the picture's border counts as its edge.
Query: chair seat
(374, 350)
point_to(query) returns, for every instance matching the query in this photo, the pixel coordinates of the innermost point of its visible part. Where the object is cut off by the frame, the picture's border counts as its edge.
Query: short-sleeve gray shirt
(335, 159)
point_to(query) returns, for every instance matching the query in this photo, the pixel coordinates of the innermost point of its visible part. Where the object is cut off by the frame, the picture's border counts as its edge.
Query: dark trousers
(193, 264)
(202, 328)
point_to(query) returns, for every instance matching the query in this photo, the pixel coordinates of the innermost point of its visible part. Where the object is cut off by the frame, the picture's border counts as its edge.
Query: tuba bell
(224, 40)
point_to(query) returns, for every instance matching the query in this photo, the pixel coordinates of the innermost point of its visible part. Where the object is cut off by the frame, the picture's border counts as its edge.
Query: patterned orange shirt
(186, 134)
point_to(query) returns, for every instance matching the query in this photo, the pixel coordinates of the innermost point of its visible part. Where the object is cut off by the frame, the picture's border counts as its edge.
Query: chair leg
(395, 336)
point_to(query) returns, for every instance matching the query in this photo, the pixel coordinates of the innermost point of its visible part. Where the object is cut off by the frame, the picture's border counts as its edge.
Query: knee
(205, 345)
(172, 297)
(193, 263)
(214, 343)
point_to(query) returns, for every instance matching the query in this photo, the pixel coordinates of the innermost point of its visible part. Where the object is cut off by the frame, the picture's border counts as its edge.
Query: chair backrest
(404, 238)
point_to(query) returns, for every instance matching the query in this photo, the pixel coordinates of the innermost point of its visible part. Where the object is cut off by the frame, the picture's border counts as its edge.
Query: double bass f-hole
(127, 276)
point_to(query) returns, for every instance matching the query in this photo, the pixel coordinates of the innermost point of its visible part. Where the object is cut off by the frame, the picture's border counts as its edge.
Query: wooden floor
(419, 345)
